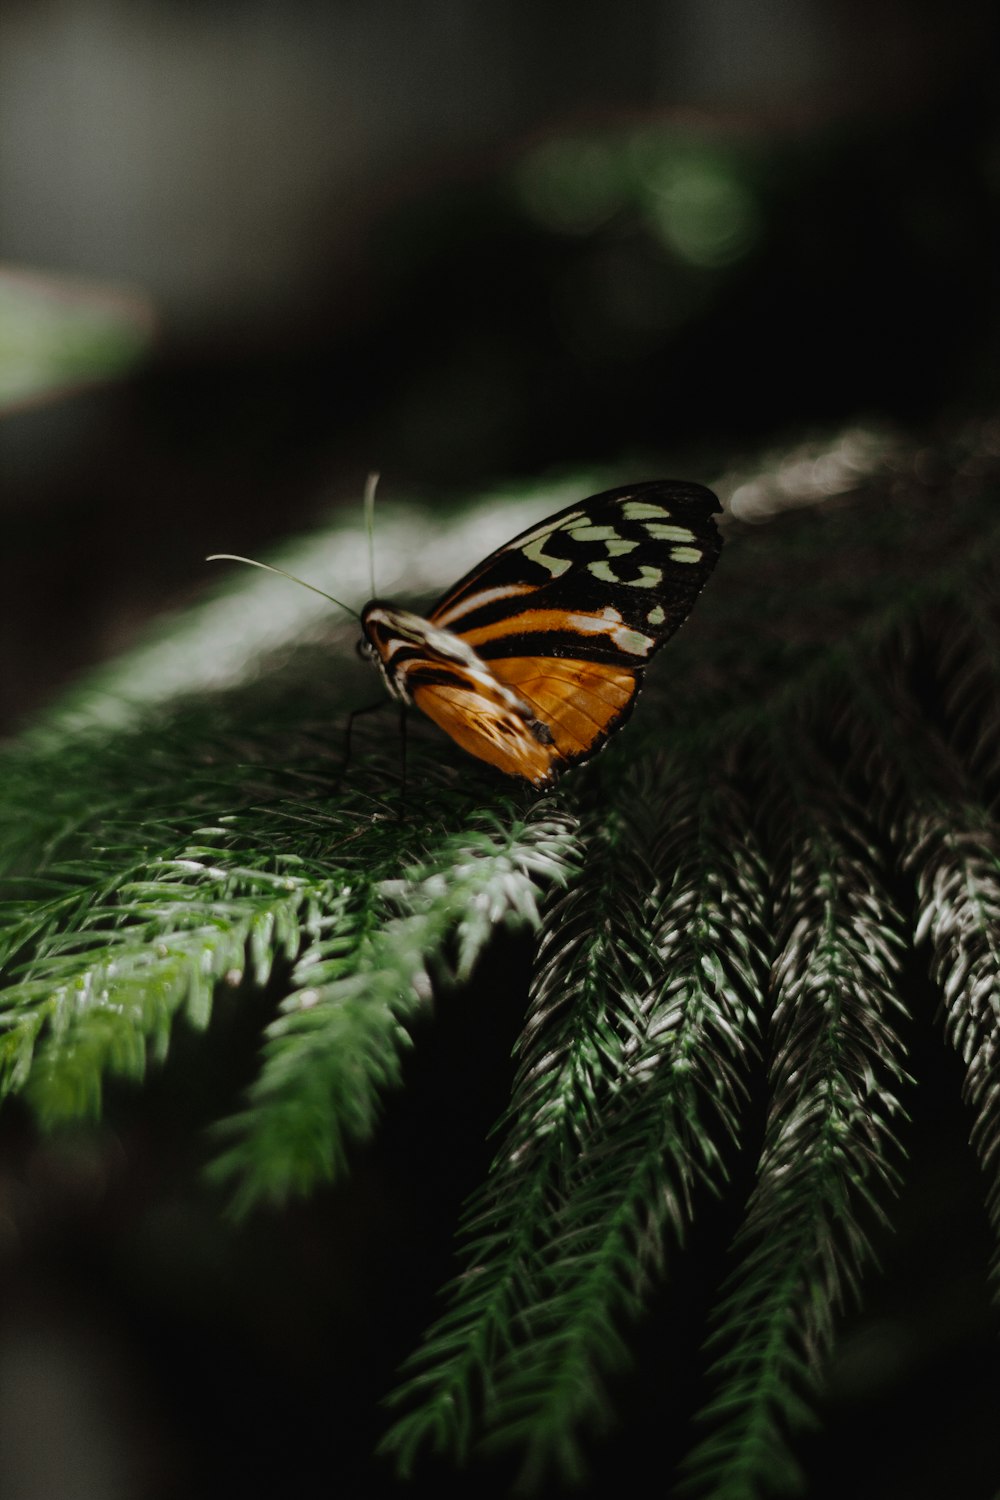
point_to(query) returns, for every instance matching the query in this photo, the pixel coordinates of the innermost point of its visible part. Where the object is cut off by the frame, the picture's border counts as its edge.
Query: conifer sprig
(670, 1124)
(829, 1156)
(99, 999)
(617, 1116)
(947, 841)
(368, 970)
(590, 977)
(954, 855)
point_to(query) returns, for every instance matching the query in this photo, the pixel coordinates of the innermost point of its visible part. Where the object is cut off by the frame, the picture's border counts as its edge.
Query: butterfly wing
(533, 658)
(569, 612)
(632, 559)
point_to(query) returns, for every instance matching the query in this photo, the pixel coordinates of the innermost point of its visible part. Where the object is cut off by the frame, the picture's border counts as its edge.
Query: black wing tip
(682, 491)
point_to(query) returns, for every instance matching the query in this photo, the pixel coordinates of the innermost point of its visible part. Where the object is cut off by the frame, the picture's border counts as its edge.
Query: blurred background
(252, 250)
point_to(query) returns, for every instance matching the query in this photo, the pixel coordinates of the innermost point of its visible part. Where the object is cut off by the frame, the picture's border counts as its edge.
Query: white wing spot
(669, 533)
(656, 616)
(609, 622)
(648, 577)
(644, 510)
(685, 554)
(634, 642)
(535, 552)
(589, 533)
(545, 529)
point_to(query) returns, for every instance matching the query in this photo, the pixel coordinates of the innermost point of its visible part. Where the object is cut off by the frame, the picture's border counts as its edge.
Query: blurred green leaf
(57, 333)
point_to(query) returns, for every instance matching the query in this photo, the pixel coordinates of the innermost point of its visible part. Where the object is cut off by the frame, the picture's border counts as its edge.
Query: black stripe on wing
(643, 552)
(570, 646)
(614, 528)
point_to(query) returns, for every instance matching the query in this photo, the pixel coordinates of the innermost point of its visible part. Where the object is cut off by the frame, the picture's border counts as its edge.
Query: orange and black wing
(570, 612)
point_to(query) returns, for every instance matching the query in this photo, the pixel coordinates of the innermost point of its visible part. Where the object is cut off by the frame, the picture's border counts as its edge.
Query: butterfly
(537, 655)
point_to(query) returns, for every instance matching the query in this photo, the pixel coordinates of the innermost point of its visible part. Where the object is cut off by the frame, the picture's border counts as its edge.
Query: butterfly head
(373, 645)
(366, 647)
(396, 638)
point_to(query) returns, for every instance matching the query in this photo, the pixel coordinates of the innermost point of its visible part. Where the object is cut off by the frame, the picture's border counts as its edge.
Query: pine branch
(774, 1325)
(355, 939)
(367, 971)
(827, 1156)
(955, 857)
(617, 1114)
(91, 1000)
(949, 843)
(589, 980)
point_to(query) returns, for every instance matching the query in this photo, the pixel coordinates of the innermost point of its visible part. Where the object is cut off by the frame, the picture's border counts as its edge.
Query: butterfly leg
(356, 713)
(402, 762)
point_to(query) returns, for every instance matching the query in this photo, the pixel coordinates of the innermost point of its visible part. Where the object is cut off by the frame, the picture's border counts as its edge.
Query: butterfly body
(537, 655)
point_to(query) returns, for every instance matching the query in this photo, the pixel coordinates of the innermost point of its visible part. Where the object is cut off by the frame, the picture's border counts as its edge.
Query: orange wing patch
(488, 729)
(580, 702)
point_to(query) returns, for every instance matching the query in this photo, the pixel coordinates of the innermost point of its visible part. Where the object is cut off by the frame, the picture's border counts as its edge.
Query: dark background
(458, 243)
(467, 242)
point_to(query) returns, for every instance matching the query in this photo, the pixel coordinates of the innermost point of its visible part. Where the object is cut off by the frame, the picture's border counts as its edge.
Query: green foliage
(331, 896)
(827, 1155)
(365, 970)
(644, 997)
(724, 901)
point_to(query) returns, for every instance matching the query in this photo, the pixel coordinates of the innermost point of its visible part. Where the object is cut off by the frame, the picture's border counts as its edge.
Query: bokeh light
(701, 207)
(58, 333)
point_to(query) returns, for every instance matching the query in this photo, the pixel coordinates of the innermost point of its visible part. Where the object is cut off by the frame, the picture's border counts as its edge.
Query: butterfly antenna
(369, 505)
(267, 568)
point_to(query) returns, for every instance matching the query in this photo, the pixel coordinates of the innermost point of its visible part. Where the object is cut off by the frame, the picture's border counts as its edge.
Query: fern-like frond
(640, 1031)
(365, 972)
(355, 933)
(590, 978)
(147, 946)
(948, 842)
(954, 856)
(828, 1157)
